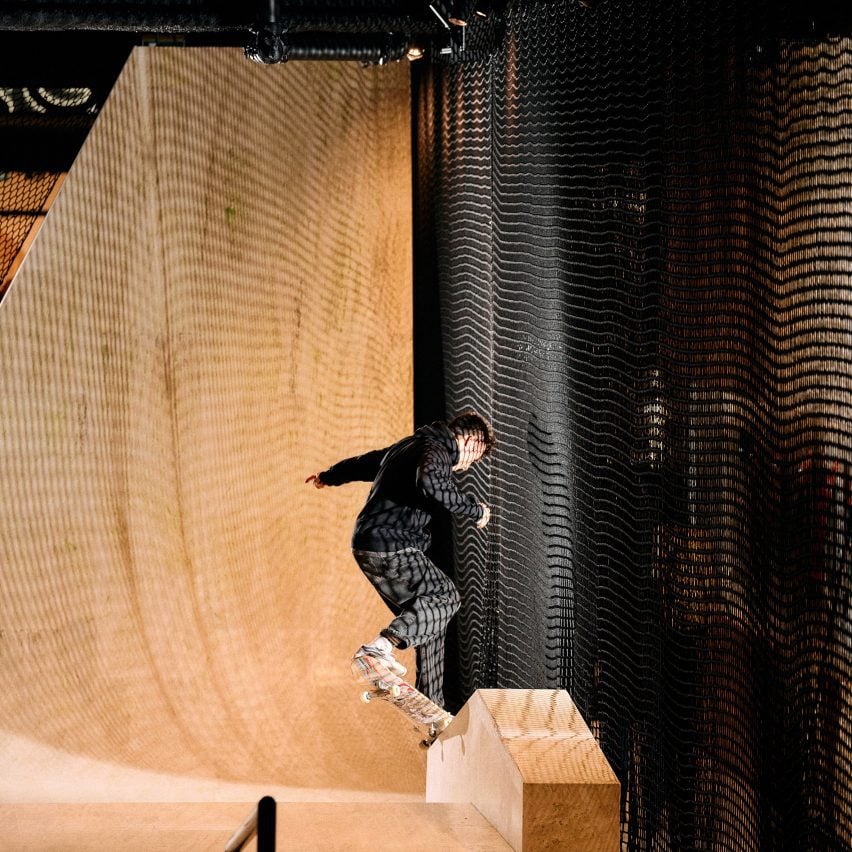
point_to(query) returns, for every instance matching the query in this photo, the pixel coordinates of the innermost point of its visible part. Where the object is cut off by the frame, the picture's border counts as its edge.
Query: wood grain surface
(218, 304)
(301, 827)
(528, 761)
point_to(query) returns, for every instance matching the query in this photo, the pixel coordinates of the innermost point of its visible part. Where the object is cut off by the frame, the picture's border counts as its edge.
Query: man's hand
(486, 516)
(318, 483)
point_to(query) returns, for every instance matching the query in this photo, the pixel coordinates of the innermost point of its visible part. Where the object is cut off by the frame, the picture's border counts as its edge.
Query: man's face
(471, 448)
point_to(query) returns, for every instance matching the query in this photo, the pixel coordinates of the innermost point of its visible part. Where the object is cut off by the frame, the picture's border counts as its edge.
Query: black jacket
(410, 479)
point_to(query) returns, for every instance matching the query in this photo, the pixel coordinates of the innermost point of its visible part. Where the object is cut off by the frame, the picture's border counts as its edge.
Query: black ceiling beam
(210, 16)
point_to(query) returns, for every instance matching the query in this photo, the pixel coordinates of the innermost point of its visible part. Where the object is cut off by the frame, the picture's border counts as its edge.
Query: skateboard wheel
(395, 691)
(366, 697)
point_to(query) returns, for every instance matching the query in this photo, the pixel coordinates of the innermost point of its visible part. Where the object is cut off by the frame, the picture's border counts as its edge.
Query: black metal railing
(260, 823)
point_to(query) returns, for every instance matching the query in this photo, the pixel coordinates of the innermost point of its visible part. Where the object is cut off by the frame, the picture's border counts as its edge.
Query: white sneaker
(382, 649)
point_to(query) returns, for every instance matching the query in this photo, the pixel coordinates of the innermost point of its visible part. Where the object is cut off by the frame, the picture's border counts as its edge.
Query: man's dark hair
(469, 421)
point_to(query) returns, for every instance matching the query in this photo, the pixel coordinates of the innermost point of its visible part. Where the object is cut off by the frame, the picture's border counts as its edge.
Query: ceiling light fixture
(458, 15)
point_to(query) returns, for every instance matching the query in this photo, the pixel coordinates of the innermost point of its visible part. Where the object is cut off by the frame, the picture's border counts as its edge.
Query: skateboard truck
(435, 729)
(381, 691)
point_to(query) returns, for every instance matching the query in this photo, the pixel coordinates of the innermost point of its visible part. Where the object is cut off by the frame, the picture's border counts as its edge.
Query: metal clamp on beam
(268, 46)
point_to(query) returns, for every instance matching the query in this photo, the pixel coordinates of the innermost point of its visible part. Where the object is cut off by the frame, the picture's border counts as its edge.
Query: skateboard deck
(387, 686)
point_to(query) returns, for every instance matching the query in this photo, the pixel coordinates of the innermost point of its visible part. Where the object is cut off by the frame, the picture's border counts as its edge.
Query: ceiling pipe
(368, 49)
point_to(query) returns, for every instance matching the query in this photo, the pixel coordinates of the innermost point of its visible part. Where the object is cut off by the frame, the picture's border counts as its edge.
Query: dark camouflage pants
(423, 599)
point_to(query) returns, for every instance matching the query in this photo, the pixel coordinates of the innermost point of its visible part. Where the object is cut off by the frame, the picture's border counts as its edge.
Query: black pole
(266, 824)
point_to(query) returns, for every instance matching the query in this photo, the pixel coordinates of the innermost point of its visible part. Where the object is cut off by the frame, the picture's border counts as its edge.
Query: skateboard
(414, 705)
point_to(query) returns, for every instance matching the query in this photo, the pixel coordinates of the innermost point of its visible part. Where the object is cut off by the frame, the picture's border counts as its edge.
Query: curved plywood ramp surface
(217, 305)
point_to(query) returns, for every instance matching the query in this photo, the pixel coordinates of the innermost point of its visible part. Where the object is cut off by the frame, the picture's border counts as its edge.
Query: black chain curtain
(634, 254)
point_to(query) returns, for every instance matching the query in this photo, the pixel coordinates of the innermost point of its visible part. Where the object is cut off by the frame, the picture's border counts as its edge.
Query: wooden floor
(198, 827)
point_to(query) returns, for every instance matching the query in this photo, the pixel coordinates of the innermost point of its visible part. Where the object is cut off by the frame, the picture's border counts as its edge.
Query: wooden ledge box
(529, 763)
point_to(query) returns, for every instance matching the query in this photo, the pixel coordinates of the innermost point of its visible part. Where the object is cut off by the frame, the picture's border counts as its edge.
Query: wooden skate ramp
(217, 305)
(526, 759)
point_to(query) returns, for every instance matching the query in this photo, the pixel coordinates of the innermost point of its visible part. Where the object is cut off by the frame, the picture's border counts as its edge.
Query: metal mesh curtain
(634, 253)
(23, 202)
(52, 87)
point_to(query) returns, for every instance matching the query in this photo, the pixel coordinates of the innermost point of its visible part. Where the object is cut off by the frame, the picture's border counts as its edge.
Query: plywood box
(527, 760)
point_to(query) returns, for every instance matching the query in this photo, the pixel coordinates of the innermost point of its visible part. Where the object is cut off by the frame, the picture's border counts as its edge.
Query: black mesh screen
(52, 86)
(634, 228)
(23, 198)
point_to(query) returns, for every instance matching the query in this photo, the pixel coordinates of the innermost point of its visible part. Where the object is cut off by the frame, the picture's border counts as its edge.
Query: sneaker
(381, 649)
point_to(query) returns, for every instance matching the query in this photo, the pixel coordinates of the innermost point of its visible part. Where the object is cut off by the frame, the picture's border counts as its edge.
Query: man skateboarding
(411, 479)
